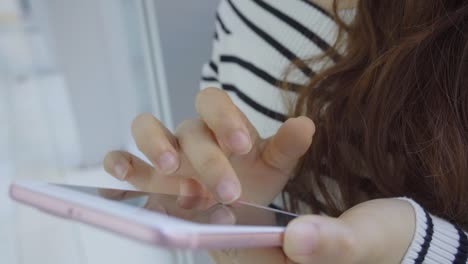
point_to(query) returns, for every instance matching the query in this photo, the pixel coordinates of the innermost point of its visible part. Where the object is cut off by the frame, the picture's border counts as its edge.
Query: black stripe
(213, 66)
(259, 72)
(223, 26)
(216, 35)
(319, 8)
(427, 240)
(322, 44)
(209, 79)
(249, 101)
(275, 44)
(462, 250)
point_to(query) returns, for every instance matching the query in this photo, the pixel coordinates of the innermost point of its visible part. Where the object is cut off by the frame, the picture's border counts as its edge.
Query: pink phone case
(136, 230)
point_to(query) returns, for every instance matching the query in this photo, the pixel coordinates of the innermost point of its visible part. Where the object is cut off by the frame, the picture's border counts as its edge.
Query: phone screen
(194, 209)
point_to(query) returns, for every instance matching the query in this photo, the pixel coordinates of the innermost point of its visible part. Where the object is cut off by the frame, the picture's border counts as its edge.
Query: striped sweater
(254, 44)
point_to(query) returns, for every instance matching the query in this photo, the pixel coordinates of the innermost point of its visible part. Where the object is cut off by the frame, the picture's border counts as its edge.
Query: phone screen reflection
(192, 208)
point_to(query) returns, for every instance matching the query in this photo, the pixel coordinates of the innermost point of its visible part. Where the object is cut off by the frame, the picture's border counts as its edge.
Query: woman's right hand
(219, 155)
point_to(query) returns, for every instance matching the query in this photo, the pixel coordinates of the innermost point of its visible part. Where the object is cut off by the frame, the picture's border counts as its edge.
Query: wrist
(385, 228)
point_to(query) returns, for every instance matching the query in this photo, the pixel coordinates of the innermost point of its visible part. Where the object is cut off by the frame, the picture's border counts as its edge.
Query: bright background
(73, 74)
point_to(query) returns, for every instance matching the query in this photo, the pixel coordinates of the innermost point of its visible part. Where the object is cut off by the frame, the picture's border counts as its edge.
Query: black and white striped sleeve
(436, 241)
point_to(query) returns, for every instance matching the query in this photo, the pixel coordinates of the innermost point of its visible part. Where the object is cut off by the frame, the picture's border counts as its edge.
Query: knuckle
(208, 94)
(202, 95)
(274, 158)
(211, 163)
(111, 157)
(228, 118)
(108, 162)
(187, 127)
(140, 120)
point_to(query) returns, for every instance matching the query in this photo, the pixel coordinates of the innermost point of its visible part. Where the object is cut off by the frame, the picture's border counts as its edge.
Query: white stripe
(206, 84)
(263, 56)
(246, 42)
(249, 43)
(260, 91)
(219, 30)
(280, 31)
(310, 17)
(251, 46)
(294, 41)
(443, 244)
(449, 230)
(420, 232)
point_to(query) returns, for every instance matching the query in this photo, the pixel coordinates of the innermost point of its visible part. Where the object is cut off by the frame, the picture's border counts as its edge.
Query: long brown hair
(391, 115)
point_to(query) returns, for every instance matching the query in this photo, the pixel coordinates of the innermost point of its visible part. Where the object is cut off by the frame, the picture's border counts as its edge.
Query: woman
(388, 101)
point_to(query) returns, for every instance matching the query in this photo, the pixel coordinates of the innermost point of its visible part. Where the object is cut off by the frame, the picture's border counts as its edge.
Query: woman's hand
(378, 231)
(219, 154)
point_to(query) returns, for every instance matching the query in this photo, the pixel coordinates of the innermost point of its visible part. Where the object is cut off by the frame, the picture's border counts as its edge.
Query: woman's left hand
(377, 231)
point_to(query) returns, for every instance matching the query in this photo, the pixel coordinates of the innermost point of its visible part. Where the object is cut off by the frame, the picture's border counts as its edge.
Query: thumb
(292, 140)
(319, 239)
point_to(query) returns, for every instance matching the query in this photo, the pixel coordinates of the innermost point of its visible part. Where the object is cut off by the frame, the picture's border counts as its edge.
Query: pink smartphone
(160, 219)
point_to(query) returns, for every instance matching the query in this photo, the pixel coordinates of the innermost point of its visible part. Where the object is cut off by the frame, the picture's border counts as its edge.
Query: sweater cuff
(435, 240)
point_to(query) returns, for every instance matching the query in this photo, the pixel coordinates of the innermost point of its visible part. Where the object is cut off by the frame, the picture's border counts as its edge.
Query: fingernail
(239, 142)
(120, 171)
(222, 216)
(227, 191)
(305, 235)
(167, 162)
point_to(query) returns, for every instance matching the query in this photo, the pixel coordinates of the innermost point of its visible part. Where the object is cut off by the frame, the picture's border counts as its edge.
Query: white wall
(90, 45)
(186, 31)
(90, 48)
(101, 93)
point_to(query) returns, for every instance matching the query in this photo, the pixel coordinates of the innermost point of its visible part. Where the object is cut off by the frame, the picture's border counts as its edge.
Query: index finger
(232, 129)
(139, 173)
